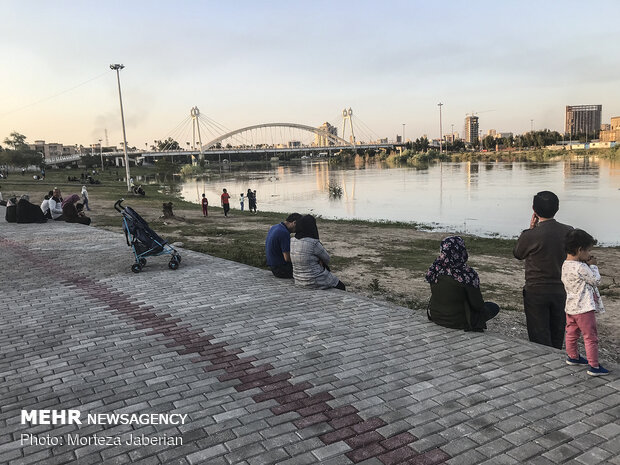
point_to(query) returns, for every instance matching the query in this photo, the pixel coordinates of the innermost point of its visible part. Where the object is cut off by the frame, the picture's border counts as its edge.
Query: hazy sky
(250, 62)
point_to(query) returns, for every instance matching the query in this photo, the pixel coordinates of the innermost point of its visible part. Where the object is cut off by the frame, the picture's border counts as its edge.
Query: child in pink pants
(580, 277)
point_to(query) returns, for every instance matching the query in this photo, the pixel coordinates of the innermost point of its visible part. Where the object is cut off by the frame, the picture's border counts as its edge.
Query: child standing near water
(580, 276)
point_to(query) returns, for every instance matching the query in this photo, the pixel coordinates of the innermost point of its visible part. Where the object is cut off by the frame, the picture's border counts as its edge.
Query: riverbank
(383, 260)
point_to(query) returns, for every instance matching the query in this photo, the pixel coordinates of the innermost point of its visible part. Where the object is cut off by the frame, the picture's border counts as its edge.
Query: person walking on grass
(542, 248)
(225, 202)
(85, 198)
(205, 206)
(581, 277)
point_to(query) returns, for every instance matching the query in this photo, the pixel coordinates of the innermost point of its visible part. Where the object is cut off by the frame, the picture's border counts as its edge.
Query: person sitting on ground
(55, 204)
(456, 301)
(309, 257)
(27, 212)
(11, 210)
(45, 205)
(71, 213)
(278, 247)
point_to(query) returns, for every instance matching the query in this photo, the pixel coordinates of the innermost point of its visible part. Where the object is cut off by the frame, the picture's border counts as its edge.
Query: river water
(484, 198)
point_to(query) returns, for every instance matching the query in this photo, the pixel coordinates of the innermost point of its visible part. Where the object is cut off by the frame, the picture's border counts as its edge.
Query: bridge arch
(303, 127)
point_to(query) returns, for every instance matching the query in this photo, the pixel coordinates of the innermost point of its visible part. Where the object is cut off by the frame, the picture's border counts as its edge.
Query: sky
(515, 63)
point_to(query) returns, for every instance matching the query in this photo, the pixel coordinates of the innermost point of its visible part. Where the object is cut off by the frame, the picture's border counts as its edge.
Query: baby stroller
(143, 240)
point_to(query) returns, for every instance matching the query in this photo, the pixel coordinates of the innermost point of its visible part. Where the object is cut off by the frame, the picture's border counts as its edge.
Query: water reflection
(482, 197)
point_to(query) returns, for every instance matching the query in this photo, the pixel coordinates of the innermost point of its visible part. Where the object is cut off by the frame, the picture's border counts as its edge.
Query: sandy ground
(363, 247)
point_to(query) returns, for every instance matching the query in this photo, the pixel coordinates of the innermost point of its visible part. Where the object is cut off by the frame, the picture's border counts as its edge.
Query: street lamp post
(101, 155)
(403, 133)
(440, 128)
(117, 68)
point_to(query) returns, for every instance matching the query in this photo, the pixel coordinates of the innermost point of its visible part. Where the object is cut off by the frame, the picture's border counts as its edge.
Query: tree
(489, 142)
(168, 144)
(16, 140)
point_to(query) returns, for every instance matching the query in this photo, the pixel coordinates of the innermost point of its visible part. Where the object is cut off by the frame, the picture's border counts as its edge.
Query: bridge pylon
(195, 113)
(347, 115)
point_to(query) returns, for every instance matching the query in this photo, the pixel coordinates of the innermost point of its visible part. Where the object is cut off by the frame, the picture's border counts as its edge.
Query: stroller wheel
(178, 258)
(173, 264)
(136, 268)
(142, 261)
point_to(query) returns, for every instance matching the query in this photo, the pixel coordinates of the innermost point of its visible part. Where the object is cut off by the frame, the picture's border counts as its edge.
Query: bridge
(253, 139)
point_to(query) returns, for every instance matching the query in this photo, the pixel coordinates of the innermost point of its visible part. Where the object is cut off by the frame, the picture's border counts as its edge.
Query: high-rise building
(583, 119)
(471, 129)
(322, 140)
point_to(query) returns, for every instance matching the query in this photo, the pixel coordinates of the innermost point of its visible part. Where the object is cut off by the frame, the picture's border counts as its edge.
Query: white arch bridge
(213, 147)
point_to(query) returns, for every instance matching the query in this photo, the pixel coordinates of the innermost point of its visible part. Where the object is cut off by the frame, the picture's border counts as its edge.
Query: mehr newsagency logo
(75, 417)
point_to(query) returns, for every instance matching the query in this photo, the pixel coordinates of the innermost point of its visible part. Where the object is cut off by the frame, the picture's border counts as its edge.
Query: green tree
(168, 144)
(16, 140)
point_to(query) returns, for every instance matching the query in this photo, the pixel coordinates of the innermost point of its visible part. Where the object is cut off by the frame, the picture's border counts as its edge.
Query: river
(484, 198)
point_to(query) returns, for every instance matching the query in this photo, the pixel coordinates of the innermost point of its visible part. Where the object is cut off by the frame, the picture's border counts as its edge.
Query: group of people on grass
(560, 295)
(249, 198)
(53, 207)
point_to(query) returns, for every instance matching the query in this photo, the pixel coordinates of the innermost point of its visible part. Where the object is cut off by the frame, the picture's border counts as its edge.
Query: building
(583, 119)
(322, 141)
(605, 127)
(52, 149)
(472, 127)
(613, 134)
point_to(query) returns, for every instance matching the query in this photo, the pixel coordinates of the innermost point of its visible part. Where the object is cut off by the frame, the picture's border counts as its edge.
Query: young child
(580, 277)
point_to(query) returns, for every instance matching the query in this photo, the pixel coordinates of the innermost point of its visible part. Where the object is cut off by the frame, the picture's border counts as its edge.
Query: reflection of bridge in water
(268, 139)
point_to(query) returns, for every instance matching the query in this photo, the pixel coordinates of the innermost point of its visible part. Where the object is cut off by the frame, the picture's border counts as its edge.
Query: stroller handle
(118, 205)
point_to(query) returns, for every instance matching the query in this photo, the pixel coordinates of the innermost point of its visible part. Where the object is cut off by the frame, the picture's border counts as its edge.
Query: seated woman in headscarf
(27, 212)
(309, 257)
(456, 300)
(70, 211)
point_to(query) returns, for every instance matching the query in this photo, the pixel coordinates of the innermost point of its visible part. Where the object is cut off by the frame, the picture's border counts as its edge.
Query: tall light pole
(117, 68)
(101, 155)
(403, 133)
(440, 128)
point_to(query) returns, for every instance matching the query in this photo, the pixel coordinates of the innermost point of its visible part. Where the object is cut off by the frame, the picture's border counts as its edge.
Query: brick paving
(267, 372)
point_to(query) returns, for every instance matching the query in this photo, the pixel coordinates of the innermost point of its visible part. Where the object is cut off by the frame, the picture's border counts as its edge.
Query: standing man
(205, 205)
(542, 248)
(278, 247)
(225, 204)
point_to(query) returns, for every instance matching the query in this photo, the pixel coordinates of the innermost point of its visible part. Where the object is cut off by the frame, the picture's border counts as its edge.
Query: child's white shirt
(580, 281)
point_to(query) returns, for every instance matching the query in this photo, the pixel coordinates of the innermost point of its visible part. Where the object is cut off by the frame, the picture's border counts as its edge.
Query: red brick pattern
(348, 426)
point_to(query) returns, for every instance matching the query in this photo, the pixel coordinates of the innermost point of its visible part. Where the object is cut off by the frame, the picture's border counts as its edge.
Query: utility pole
(440, 128)
(532, 126)
(117, 68)
(403, 133)
(101, 155)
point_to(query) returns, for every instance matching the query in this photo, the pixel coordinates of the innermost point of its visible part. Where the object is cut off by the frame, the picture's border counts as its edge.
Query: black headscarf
(306, 227)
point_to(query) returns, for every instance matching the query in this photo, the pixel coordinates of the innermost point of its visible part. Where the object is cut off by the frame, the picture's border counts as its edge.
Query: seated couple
(303, 257)
(456, 301)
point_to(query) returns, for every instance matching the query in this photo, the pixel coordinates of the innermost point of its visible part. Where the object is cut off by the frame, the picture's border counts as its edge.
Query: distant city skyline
(247, 63)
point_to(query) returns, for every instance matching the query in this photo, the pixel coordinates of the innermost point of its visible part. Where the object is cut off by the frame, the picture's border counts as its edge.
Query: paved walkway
(263, 372)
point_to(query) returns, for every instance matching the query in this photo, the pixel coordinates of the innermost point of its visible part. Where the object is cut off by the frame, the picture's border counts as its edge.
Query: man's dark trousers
(546, 319)
(283, 271)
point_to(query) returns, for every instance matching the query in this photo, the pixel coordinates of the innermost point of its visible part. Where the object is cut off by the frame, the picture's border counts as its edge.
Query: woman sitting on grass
(456, 300)
(71, 213)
